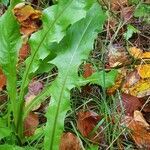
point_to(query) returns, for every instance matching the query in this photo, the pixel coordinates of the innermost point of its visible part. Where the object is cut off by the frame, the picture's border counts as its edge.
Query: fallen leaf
(140, 131)
(137, 53)
(112, 90)
(28, 17)
(138, 116)
(87, 70)
(30, 124)
(24, 51)
(141, 89)
(146, 55)
(130, 104)
(69, 142)
(86, 122)
(2, 80)
(127, 13)
(117, 56)
(144, 70)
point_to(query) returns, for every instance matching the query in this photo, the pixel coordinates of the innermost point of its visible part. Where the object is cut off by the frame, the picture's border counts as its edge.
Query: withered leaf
(130, 104)
(24, 51)
(30, 124)
(28, 17)
(2, 80)
(140, 131)
(87, 70)
(117, 56)
(69, 142)
(86, 122)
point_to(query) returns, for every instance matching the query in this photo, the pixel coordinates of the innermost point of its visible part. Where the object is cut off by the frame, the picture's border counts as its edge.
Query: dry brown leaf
(117, 56)
(115, 4)
(28, 17)
(87, 70)
(24, 51)
(144, 70)
(138, 116)
(127, 13)
(30, 124)
(2, 80)
(86, 122)
(69, 142)
(140, 130)
(130, 104)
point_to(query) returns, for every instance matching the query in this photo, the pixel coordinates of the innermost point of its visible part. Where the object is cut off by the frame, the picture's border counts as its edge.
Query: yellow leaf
(144, 71)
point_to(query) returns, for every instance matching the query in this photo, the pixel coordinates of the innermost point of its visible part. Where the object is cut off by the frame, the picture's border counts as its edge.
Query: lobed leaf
(71, 51)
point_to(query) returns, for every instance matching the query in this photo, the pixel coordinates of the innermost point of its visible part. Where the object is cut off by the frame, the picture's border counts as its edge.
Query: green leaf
(101, 78)
(143, 11)
(10, 147)
(71, 51)
(56, 19)
(4, 130)
(5, 2)
(130, 30)
(10, 42)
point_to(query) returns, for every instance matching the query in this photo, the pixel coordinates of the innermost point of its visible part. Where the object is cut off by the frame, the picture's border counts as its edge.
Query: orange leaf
(86, 122)
(69, 142)
(30, 124)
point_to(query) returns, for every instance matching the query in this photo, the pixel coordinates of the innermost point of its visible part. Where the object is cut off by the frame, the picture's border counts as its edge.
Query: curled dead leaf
(30, 124)
(28, 17)
(86, 122)
(69, 142)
